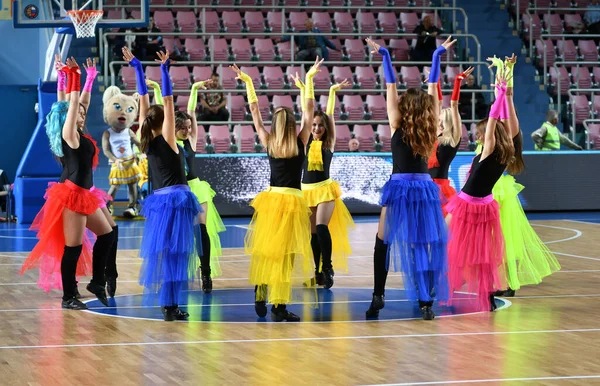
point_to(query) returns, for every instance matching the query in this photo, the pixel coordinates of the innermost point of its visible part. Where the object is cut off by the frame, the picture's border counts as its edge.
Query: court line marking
(578, 233)
(527, 379)
(325, 338)
(584, 222)
(576, 256)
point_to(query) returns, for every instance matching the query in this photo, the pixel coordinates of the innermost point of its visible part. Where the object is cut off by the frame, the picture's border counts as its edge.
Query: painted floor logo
(31, 11)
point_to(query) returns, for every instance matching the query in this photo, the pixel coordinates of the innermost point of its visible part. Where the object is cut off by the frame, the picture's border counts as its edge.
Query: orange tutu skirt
(446, 192)
(48, 252)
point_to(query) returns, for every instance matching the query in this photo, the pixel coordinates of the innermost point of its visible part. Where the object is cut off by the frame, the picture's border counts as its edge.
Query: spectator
(548, 137)
(213, 104)
(465, 104)
(592, 18)
(353, 145)
(309, 47)
(426, 41)
(146, 46)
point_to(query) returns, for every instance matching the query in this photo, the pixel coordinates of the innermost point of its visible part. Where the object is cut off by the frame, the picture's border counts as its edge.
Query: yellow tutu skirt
(527, 259)
(341, 222)
(128, 172)
(279, 234)
(214, 224)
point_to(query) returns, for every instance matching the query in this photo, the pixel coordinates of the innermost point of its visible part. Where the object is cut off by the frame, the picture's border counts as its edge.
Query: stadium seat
(228, 77)
(298, 20)
(355, 49)
(340, 73)
(581, 108)
(335, 55)
(365, 75)
(128, 77)
(409, 21)
(195, 48)
(411, 77)
(571, 20)
(182, 102)
(180, 76)
(342, 137)
(594, 133)
(246, 138)
(559, 75)
(209, 20)
(366, 22)
(265, 107)
(545, 47)
(275, 21)
(170, 43)
(377, 107)
(451, 73)
(566, 50)
(532, 25)
(255, 21)
(283, 101)
(220, 138)
(201, 140)
(264, 49)
(252, 72)
(365, 136)
(322, 21)
(323, 99)
(285, 51)
(385, 137)
(588, 50)
(219, 49)
(164, 21)
(238, 107)
(200, 73)
(401, 50)
(388, 22)
(274, 78)
(581, 77)
(344, 23)
(553, 23)
(232, 21)
(322, 79)
(153, 73)
(241, 49)
(186, 21)
(353, 107)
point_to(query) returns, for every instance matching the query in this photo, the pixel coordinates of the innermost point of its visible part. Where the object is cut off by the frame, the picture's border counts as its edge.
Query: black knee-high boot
(316, 249)
(102, 249)
(326, 247)
(380, 268)
(68, 270)
(203, 249)
(111, 264)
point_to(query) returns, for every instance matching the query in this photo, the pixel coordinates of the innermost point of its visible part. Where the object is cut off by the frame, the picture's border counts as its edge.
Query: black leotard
(287, 172)
(167, 168)
(484, 175)
(404, 159)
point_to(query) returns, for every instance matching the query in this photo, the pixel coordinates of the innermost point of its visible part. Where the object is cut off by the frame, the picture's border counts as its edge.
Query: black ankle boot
(99, 291)
(319, 278)
(260, 306)
(377, 304)
(73, 304)
(492, 303)
(426, 310)
(207, 284)
(328, 277)
(280, 313)
(174, 313)
(111, 286)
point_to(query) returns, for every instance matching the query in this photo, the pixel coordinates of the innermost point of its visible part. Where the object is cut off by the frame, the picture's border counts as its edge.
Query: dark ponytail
(154, 120)
(518, 164)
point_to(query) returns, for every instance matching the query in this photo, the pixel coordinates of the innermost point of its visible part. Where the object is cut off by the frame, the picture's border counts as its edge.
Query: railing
(296, 91)
(573, 113)
(587, 132)
(558, 87)
(531, 42)
(106, 63)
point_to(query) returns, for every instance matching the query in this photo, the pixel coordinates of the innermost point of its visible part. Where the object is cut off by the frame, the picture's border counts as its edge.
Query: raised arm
(168, 127)
(513, 121)
(331, 106)
(263, 135)
(191, 110)
(157, 93)
(61, 79)
(434, 75)
(91, 74)
(496, 114)
(69, 130)
(141, 82)
(391, 83)
(308, 113)
(456, 120)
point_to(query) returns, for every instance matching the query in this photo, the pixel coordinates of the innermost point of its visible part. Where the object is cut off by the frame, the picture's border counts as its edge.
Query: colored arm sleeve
(510, 73)
(61, 80)
(440, 95)
(193, 101)
(456, 91)
(434, 75)
(91, 74)
(73, 80)
(388, 68)
(331, 102)
(250, 91)
(139, 77)
(167, 86)
(497, 110)
(157, 92)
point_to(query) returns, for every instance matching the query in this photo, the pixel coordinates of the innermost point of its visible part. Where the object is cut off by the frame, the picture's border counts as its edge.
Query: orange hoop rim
(86, 12)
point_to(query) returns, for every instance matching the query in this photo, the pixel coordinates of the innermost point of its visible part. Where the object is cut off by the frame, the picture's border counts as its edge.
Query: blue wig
(54, 126)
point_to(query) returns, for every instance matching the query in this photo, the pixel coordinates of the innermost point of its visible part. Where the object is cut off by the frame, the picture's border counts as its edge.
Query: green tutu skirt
(528, 260)
(214, 224)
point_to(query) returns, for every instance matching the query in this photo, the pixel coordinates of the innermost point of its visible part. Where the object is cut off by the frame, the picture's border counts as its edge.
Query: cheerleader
(208, 243)
(411, 233)
(476, 248)
(449, 135)
(330, 219)
(72, 205)
(280, 228)
(167, 247)
(84, 103)
(527, 259)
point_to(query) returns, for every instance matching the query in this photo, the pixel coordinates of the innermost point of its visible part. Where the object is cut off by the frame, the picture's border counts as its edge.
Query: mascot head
(120, 110)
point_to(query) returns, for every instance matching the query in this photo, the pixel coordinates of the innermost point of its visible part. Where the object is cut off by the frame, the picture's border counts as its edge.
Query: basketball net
(85, 22)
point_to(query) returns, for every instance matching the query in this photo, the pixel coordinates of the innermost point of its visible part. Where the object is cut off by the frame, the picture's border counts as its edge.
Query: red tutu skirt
(476, 247)
(48, 252)
(447, 192)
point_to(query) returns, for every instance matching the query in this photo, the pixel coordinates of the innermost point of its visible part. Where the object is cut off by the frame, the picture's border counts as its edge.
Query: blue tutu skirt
(416, 234)
(168, 250)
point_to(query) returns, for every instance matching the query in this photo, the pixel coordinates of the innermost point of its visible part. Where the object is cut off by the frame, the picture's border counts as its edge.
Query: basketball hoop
(85, 22)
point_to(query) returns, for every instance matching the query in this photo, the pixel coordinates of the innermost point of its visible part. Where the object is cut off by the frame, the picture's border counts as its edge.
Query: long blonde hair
(447, 126)
(418, 121)
(283, 140)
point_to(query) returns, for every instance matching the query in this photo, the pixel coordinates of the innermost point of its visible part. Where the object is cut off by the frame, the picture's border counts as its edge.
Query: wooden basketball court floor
(547, 335)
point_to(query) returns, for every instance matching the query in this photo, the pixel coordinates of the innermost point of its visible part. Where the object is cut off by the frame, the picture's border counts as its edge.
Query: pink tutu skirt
(476, 247)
